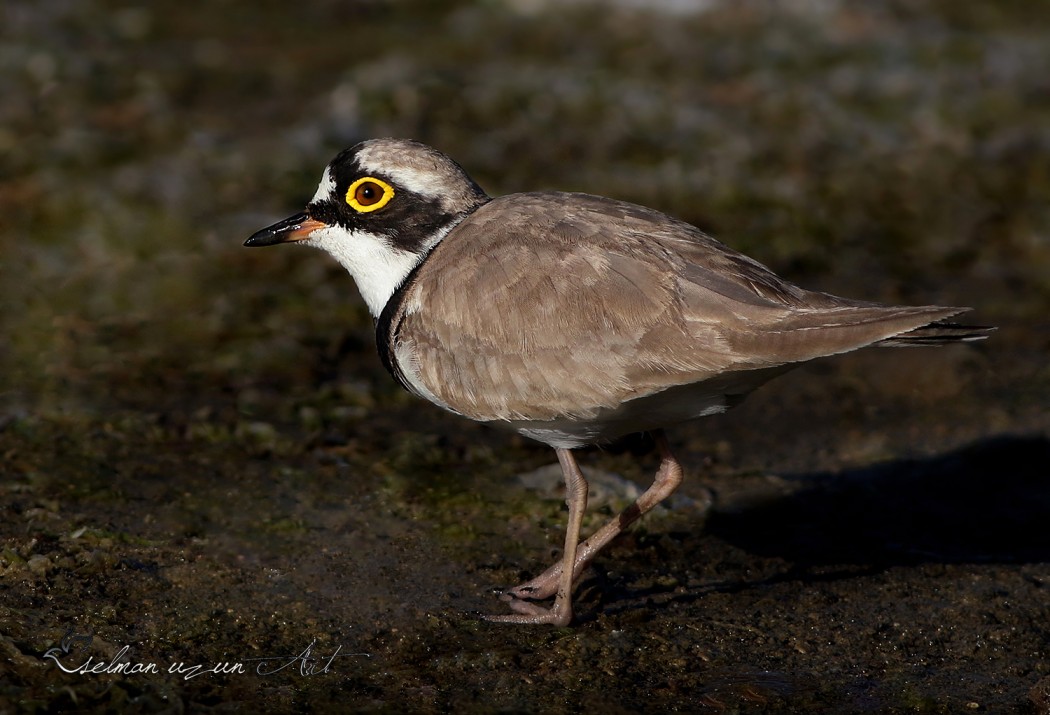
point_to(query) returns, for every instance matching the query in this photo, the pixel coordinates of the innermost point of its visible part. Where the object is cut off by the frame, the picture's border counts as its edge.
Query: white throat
(377, 267)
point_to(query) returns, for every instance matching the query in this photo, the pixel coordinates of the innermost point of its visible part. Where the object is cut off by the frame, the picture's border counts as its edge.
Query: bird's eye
(368, 194)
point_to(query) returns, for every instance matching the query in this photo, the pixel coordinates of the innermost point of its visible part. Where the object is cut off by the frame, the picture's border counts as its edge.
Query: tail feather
(808, 334)
(939, 332)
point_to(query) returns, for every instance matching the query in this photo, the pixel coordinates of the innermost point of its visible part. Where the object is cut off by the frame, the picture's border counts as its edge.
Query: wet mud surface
(206, 476)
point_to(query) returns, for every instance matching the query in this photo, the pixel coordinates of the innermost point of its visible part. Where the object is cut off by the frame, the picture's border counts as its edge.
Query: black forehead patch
(345, 168)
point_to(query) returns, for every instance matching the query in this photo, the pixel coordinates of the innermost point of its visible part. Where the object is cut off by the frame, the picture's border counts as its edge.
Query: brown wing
(553, 305)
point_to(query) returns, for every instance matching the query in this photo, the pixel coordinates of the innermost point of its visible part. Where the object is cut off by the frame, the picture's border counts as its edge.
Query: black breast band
(388, 327)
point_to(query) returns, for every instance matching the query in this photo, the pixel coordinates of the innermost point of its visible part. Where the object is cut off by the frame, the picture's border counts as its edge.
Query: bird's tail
(939, 332)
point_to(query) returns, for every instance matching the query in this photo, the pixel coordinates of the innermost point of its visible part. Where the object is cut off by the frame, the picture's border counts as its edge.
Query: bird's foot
(530, 613)
(542, 587)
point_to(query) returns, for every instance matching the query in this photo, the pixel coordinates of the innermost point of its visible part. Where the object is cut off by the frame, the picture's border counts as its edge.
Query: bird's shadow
(986, 502)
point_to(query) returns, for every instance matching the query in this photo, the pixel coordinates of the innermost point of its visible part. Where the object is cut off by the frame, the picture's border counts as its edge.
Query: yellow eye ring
(369, 194)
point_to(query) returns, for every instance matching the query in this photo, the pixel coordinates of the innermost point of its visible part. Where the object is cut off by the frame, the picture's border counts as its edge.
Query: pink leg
(667, 480)
(560, 614)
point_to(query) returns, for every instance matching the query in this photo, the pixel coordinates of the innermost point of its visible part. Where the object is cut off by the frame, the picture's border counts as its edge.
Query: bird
(570, 318)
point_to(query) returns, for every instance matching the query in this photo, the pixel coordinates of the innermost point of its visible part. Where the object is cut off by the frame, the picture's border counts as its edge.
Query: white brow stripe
(427, 180)
(424, 183)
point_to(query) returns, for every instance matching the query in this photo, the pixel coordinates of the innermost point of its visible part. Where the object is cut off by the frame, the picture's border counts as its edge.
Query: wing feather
(549, 306)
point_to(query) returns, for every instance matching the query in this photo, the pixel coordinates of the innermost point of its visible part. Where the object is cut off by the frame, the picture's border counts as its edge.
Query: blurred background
(165, 393)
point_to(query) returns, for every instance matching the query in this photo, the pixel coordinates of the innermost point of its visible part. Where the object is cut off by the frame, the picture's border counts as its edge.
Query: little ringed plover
(570, 318)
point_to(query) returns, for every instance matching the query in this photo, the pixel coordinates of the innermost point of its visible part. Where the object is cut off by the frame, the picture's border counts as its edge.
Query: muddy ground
(208, 477)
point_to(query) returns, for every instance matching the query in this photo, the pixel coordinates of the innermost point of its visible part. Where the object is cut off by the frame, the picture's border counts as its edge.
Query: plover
(573, 319)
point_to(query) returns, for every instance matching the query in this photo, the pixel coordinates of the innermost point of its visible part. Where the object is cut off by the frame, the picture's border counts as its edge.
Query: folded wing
(555, 305)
